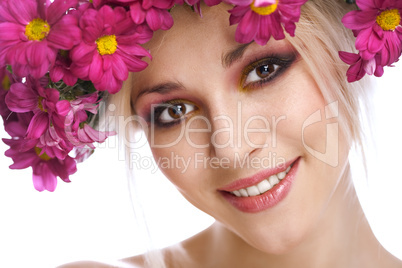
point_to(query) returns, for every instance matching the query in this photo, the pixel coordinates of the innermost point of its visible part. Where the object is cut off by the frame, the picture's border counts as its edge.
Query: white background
(92, 217)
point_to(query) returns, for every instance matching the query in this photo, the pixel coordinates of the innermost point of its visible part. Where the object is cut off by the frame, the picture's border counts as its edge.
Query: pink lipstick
(266, 181)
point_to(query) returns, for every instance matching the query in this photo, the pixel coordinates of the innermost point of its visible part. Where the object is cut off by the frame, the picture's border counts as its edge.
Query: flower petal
(95, 69)
(43, 178)
(23, 11)
(58, 8)
(137, 13)
(38, 125)
(119, 68)
(21, 99)
(247, 28)
(65, 34)
(358, 20)
(349, 58)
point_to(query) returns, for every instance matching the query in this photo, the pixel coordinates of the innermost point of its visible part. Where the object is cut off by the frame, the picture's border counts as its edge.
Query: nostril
(254, 151)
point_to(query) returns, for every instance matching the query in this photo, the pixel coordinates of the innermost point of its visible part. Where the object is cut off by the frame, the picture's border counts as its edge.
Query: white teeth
(281, 175)
(273, 180)
(253, 191)
(236, 193)
(263, 186)
(243, 192)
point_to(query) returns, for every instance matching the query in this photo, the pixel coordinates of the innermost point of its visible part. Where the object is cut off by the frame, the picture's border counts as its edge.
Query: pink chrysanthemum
(110, 48)
(61, 70)
(44, 128)
(196, 4)
(154, 12)
(32, 97)
(378, 28)
(77, 131)
(33, 31)
(45, 169)
(260, 19)
(359, 67)
(82, 154)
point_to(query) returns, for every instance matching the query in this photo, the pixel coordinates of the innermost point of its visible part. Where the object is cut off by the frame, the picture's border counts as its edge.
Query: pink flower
(154, 12)
(32, 97)
(16, 126)
(260, 19)
(61, 69)
(82, 154)
(52, 143)
(33, 31)
(196, 4)
(44, 126)
(359, 66)
(77, 130)
(76, 110)
(86, 136)
(45, 169)
(378, 28)
(110, 48)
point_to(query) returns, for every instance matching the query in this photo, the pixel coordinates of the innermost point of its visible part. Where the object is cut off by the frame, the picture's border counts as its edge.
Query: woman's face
(235, 128)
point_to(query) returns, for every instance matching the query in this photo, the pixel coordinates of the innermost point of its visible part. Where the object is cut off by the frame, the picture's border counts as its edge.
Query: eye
(170, 113)
(261, 72)
(264, 70)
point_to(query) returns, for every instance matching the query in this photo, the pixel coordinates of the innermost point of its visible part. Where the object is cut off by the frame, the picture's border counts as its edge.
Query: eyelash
(163, 107)
(281, 64)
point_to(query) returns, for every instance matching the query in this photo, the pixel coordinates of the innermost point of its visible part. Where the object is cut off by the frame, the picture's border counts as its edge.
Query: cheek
(189, 170)
(181, 162)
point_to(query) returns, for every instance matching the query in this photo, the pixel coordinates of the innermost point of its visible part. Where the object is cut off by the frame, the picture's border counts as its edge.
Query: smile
(263, 186)
(263, 190)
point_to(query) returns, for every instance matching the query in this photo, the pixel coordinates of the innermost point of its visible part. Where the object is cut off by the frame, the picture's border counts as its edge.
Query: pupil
(177, 110)
(265, 70)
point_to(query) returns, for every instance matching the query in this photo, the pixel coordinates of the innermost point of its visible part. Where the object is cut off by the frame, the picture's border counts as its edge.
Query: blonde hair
(320, 35)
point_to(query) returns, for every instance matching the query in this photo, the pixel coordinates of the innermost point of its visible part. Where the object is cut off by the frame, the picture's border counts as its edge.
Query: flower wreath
(58, 58)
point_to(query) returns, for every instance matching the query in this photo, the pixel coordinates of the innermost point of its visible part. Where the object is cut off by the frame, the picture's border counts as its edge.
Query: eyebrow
(234, 55)
(163, 88)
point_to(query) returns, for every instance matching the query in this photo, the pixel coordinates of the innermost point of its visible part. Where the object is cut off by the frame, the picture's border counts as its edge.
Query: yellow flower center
(43, 156)
(6, 83)
(107, 44)
(40, 105)
(37, 29)
(389, 19)
(264, 10)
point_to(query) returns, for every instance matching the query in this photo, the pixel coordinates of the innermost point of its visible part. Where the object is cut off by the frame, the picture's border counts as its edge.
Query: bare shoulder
(132, 262)
(189, 253)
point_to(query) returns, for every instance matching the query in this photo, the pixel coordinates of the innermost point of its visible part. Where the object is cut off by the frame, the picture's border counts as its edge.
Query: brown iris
(265, 70)
(176, 111)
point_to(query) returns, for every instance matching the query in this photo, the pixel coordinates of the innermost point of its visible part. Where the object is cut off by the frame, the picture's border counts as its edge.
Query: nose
(239, 131)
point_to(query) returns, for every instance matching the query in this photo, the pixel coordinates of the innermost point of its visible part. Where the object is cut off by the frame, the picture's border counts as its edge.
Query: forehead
(190, 28)
(192, 39)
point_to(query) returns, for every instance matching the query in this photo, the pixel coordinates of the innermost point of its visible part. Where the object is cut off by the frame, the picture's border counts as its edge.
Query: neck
(342, 238)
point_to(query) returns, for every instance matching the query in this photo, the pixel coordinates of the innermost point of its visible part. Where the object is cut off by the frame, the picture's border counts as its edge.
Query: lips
(251, 194)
